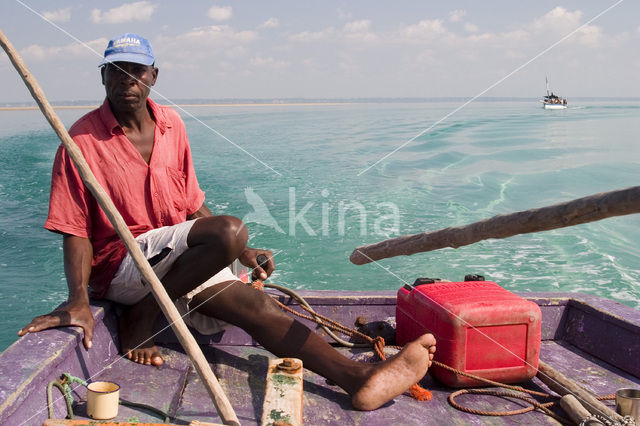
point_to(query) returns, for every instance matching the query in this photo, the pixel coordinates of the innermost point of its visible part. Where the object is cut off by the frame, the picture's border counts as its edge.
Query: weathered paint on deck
(595, 341)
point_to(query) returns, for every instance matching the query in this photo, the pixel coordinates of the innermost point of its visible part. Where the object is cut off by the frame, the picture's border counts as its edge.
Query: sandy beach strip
(251, 104)
(33, 108)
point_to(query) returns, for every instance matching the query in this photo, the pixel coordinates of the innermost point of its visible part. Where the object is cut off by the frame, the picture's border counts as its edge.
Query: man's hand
(248, 259)
(72, 314)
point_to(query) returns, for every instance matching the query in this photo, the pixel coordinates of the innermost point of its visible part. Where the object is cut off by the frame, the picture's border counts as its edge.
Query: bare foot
(394, 376)
(135, 338)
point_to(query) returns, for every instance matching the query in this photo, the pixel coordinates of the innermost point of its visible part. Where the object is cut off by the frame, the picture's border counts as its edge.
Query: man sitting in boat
(140, 154)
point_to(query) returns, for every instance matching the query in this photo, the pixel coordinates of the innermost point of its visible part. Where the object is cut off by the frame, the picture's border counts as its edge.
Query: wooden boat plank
(553, 320)
(592, 373)
(32, 362)
(572, 327)
(283, 392)
(242, 372)
(608, 311)
(159, 387)
(597, 331)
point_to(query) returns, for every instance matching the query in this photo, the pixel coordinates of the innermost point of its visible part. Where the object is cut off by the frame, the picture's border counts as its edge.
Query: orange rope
(419, 392)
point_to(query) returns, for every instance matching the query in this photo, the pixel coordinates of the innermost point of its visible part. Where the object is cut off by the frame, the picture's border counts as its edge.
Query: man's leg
(370, 385)
(213, 243)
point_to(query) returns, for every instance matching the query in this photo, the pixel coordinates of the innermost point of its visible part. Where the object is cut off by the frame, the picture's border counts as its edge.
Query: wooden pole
(581, 210)
(563, 385)
(173, 316)
(577, 412)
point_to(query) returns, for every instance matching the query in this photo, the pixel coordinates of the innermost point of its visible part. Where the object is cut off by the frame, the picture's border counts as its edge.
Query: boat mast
(546, 79)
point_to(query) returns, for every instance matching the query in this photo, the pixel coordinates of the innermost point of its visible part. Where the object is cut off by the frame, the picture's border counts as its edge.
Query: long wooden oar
(184, 335)
(581, 210)
(563, 385)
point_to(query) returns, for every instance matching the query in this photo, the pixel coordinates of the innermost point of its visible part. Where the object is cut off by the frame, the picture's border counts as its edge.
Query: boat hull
(554, 106)
(593, 339)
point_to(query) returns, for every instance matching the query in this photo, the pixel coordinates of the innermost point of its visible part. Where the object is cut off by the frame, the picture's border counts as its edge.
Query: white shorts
(163, 246)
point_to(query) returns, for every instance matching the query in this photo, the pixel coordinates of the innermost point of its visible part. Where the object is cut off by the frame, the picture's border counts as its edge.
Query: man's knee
(234, 232)
(221, 232)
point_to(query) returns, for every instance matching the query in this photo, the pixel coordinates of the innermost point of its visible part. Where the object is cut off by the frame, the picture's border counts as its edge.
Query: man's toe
(157, 360)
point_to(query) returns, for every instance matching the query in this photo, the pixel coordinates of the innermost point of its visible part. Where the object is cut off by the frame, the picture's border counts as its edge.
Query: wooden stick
(577, 413)
(563, 385)
(581, 210)
(184, 335)
(283, 394)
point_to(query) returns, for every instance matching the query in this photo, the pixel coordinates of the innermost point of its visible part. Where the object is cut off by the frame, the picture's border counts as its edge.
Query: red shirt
(148, 196)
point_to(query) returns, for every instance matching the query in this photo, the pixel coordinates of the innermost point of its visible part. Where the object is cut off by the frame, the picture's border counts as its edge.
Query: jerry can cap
(420, 281)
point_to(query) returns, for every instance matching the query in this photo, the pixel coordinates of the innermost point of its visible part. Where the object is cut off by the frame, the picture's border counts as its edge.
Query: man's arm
(203, 211)
(78, 253)
(249, 256)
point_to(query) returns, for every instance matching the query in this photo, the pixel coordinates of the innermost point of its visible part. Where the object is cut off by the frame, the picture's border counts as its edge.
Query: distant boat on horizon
(553, 101)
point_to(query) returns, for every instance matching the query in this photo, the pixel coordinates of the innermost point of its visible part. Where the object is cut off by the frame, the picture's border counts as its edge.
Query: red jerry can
(480, 328)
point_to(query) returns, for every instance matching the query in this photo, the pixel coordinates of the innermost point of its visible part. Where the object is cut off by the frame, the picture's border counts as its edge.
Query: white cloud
(268, 62)
(558, 19)
(470, 28)
(357, 26)
(488, 37)
(426, 29)
(270, 23)
(312, 36)
(354, 31)
(218, 34)
(94, 48)
(220, 13)
(457, 15)
(202, 44)
(235, 51)
(39, 53)
(590, 35)
(359, 30)
(344, 15)
(60, 15)
(128, 12)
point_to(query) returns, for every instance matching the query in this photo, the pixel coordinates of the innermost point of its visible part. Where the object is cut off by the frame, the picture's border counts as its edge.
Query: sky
(330, 49)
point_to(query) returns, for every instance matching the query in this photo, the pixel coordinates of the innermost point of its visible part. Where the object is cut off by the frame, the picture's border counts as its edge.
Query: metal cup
(628, 403)
(102, 400)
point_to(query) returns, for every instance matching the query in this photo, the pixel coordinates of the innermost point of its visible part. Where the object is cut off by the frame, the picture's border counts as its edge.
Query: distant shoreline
(34, 108)
(193, 103)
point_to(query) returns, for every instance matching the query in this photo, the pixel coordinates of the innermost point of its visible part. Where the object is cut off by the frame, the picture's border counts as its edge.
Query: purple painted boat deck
(593, 340)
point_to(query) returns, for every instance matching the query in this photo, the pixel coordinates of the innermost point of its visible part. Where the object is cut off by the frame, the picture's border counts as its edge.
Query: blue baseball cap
(129, 47)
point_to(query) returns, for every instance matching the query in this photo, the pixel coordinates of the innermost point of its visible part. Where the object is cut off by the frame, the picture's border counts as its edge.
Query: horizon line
(286, 101)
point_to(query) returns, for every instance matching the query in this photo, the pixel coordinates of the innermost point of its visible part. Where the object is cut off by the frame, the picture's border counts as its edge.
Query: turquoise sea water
(323, 200)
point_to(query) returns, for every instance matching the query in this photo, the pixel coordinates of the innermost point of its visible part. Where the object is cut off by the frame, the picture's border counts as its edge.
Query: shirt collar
(111, 124)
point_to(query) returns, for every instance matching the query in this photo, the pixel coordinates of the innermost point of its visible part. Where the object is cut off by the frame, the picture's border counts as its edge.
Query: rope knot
(258, 285)
(420, 393)
(378, 344)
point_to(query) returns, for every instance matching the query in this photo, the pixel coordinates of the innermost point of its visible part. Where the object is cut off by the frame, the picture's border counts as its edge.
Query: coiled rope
(63, 384)
(65, 388)
(378, 343)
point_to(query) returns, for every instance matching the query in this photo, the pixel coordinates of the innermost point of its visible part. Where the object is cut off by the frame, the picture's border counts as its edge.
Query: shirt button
(155, 194)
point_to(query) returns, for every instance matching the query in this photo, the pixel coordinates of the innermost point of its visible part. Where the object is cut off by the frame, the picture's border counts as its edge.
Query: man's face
(128, 84)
